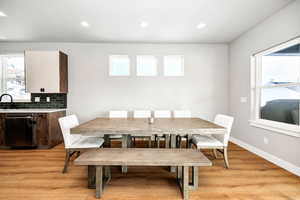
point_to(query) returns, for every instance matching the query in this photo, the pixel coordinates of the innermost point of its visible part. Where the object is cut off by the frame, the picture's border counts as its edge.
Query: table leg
(129, 141)
(173, 146)
(179, 173)
(124, 145)
(99, 180)
(167, 141)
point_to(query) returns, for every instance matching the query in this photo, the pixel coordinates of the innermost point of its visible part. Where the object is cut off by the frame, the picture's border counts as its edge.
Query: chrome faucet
(5, 94)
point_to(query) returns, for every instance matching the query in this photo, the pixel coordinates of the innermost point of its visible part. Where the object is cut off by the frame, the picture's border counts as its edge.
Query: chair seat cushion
(206, 141)
(88, 142)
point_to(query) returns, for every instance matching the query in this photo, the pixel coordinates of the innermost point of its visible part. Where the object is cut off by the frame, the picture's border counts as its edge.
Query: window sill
(19, 101)
(278, 127)
(22, 100)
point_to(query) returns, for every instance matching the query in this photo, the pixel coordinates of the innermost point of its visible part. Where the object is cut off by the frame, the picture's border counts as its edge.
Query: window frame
(156, 65)
(182, 66)
(110, 65)
(2, 81)
(256, 86)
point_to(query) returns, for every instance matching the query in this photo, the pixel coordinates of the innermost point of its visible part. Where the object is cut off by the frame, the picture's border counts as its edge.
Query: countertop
(31, 110)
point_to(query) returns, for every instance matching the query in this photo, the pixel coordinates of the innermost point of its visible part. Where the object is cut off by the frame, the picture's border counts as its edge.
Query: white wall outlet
(266, 140)
(48, 99)
(243, 99)
(37, 99)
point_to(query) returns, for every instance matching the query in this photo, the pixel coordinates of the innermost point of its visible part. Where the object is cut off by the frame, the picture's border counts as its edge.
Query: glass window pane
(281, 67)
(146, 66)
(280, 104)
(119, 65)
(173, 65)
(13, 76)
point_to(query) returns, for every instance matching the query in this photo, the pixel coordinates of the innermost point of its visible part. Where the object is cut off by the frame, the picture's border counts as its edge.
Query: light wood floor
(36, 175)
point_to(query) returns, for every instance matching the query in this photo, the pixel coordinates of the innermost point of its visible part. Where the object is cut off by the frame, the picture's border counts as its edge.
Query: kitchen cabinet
(46, 72)
(46, 131)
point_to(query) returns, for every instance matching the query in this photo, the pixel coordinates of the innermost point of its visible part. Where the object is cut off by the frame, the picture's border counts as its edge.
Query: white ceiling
(119, 20)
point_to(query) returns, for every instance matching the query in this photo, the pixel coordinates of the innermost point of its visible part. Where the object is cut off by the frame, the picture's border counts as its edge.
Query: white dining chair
(182, 114)
(117, 114)
(142, 114)
(75, 143)
(216, 142)
(161, 114)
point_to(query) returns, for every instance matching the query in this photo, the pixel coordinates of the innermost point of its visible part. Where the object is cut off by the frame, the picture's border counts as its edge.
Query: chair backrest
(182, 114)
(225, 121)
(162, 114)
(141, 114)
(118, 114)
(66, 123)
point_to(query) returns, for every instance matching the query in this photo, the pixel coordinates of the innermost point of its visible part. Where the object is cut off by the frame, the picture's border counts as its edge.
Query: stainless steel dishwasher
(20, 130)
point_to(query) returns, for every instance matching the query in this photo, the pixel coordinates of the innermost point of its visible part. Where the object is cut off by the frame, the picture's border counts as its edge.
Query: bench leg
(99, 180)
(195, 176)
(185, 183)
(91, 177)
(107, 174)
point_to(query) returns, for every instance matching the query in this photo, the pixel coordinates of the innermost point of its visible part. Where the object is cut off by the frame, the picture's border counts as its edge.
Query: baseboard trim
(273, 159)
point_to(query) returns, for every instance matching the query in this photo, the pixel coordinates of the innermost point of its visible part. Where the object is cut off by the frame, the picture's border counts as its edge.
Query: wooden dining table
(169, 127)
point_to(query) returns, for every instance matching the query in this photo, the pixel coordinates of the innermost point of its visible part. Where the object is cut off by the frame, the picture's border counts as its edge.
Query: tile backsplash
(57, 100)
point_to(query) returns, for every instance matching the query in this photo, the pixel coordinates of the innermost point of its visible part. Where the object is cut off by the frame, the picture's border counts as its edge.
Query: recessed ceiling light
(201, 25)
(85, 24)
(144, 24)
(2, 14)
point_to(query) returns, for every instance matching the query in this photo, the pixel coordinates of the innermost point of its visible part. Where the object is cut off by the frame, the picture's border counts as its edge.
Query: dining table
(128, 127)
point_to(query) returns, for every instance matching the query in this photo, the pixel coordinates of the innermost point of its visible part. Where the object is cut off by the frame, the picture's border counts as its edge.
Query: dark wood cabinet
(46, 130)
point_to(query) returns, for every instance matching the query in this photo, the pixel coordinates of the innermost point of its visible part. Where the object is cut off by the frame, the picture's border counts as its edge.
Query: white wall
(203, 89)
(281, 27)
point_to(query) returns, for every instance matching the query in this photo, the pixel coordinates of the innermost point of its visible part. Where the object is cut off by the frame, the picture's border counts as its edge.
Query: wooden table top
(141, 126)
(143, 157)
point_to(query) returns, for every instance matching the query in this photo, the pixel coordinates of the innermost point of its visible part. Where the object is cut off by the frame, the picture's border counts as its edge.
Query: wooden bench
(182, 159)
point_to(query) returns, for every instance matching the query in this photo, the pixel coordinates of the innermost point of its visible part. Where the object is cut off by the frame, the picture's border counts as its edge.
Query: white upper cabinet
(46, 72)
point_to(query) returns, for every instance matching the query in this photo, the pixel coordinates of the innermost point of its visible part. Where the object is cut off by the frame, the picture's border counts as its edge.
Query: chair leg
(67, 159)
(190, 144)
(215, 153)
(179, 142)
(187, 142)
(226, 157)
(149, 142)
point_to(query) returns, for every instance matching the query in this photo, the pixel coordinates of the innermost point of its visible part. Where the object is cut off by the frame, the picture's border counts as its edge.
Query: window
(276, 88)
(119, 65)
(173, 65)
(146, 66)
(13, 77)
